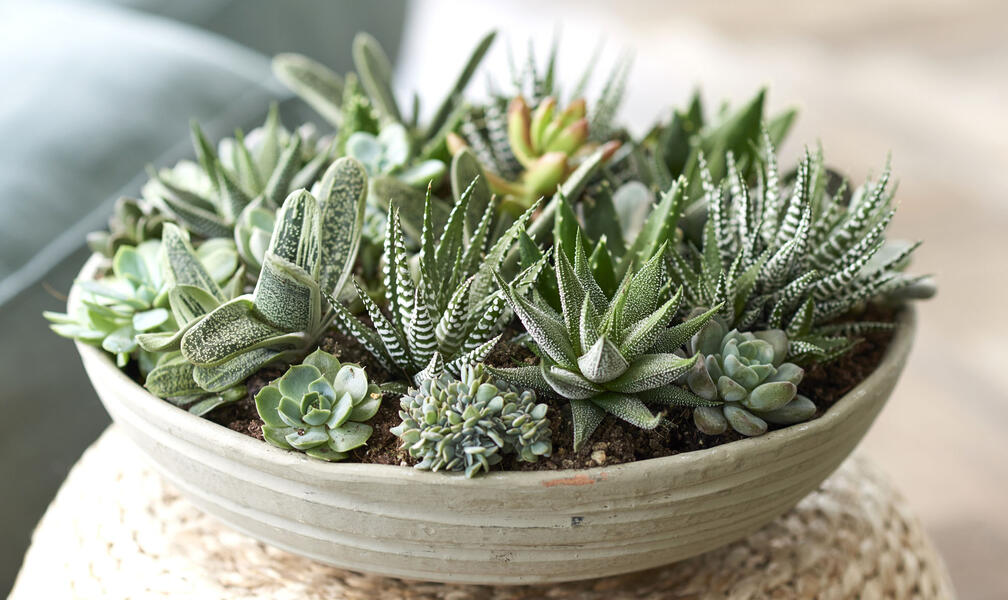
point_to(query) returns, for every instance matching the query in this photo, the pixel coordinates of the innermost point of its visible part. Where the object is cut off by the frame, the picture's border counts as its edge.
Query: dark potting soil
(614, 442)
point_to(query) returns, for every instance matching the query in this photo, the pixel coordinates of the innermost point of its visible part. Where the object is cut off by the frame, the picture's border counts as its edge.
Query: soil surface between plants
(614, 442)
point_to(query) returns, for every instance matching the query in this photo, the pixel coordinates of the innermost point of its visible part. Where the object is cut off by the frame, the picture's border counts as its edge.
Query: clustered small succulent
(747, 375)
(507, 254)
(470, 423)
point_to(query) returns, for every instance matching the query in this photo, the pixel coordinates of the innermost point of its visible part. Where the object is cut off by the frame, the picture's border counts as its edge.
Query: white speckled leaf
(342, 197)
(220, 377)
(650, 371)
(586, 417)
(296, 232)
(313, 82)
(231, 329)
(181, 261)
(286, 296)
(627, 408)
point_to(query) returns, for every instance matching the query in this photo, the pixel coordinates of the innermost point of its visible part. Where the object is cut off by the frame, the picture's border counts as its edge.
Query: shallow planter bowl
(504, 527)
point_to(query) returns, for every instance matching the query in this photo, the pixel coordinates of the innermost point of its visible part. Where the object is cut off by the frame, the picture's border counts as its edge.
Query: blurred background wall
(114, 84)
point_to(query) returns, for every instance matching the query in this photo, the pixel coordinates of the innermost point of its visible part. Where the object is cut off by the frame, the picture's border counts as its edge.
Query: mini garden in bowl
(512, 344)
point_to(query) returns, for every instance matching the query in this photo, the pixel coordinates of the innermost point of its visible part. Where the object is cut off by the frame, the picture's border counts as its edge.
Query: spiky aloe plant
(207, 197)
(452, 309)
(606, 355)
(469, 423)
(795, 261)
(320, 407)
(309, 259)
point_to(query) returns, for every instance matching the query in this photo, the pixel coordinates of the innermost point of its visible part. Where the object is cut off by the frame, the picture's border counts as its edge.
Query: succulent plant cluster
(259, 170)
(747, 375)
(470, 423)
(452, 309)
(606, 354)
(795, 261)
(507, 255)
(319, 407)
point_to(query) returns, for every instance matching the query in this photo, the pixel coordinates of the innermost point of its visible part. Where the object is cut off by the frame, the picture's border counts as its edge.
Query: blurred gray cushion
(91, 95)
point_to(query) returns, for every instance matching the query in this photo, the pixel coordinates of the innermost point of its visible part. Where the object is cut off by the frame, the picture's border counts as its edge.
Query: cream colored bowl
(510, 527)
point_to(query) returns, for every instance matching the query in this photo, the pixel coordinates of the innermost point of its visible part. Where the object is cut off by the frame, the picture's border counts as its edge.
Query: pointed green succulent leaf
(342, 200)
(627, 408)
(602, 362)
(375, 71)
(313, 82)
(586, 416)
(547, 331)
(181, 261)
(567, 383)
(650, 371)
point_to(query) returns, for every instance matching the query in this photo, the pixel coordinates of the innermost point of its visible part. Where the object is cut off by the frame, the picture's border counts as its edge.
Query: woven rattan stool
(116, 530)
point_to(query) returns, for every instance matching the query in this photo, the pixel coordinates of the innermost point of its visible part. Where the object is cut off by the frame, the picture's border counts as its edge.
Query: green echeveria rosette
(319, 407)
(746, 372)
(471, 423)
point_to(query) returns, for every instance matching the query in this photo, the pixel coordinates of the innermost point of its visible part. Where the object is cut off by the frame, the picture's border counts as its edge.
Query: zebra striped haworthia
(452, 309)
(796, 261)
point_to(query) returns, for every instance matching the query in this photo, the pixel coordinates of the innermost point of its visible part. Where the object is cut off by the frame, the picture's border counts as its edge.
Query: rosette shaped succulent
(207, 197)
(745, 372)
(132, 222)
(134, 299)
(470, 423)
(606, 355)
(548, 144)
(319, 407)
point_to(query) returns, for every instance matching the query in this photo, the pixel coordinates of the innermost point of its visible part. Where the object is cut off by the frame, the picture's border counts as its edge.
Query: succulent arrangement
(508, 258)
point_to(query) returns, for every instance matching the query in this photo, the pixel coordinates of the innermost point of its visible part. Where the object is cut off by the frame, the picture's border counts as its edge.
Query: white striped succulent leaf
(794, 259)
(453, 309)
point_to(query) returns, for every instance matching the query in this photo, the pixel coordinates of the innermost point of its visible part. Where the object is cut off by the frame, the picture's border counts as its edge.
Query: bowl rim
(257, 451)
